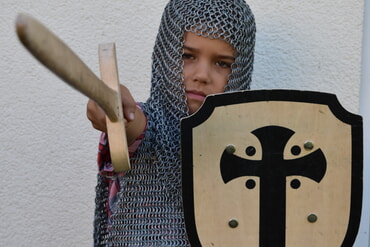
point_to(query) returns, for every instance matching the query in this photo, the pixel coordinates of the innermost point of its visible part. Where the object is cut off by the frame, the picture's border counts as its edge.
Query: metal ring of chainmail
(149, 207)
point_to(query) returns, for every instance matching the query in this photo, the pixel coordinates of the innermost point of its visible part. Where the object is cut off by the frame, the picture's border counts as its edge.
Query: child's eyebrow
(221, 56)
(227, 57)
(189, 48)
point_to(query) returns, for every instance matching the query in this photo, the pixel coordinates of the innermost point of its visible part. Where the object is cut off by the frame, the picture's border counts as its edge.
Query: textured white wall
(48, 151)
(310, 45)
(363, 236)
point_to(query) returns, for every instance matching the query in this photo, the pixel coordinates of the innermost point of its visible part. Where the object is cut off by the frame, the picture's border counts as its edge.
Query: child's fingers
(96, 115)
(128, 103)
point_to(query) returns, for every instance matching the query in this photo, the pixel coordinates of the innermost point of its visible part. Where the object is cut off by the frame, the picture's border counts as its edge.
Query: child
(203, 47)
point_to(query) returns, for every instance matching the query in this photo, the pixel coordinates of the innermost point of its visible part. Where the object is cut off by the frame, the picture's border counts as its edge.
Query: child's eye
(223, 64)
(186, 56)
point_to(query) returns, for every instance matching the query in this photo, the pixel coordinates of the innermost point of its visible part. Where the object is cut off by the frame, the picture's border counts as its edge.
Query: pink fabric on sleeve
(106, 169)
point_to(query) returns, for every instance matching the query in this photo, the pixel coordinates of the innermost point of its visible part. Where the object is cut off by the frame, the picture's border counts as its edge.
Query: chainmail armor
(149, 210)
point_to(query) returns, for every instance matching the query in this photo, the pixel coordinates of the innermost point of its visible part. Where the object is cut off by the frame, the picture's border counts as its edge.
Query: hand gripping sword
(60, 59)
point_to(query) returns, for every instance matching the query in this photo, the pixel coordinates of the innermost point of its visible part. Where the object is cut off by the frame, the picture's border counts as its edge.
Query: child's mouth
(196, 95)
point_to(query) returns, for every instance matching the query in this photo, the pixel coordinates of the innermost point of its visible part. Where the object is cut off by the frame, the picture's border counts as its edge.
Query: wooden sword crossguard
(60, 59)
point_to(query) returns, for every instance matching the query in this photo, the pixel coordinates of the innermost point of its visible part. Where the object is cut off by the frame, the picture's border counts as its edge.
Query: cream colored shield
(272, 168)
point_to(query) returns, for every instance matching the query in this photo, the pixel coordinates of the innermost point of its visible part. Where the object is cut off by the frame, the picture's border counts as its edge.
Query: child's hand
(97, 116)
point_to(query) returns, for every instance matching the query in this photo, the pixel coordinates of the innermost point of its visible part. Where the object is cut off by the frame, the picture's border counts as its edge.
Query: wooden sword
(60, 59)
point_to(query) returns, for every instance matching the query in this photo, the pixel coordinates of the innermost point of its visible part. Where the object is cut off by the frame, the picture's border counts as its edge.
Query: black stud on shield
(272, 168)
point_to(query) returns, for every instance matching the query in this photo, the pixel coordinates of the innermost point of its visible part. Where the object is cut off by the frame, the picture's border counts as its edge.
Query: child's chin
(193, 108)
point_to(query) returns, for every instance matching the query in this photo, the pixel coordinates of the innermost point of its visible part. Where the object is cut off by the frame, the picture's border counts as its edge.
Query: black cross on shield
(272, 168)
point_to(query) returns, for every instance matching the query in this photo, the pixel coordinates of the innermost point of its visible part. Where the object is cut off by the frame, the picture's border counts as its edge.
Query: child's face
(207, 65)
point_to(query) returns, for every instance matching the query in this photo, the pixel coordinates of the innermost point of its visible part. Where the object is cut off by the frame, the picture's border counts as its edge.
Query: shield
(272, 168)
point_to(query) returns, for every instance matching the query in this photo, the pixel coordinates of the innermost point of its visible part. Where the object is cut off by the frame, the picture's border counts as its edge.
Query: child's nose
(202, 72)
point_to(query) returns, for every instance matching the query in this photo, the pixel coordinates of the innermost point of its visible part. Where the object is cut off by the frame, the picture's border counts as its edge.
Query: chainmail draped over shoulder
(149, 207)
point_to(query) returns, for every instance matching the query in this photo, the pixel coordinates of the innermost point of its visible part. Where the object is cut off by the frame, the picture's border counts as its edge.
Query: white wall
(363, 236)
(48, 151)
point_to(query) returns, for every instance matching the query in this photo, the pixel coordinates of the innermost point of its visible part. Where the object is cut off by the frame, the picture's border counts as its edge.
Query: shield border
(212, 101)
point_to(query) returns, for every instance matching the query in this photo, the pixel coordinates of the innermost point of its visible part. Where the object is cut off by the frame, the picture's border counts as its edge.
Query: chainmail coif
(149, 208)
